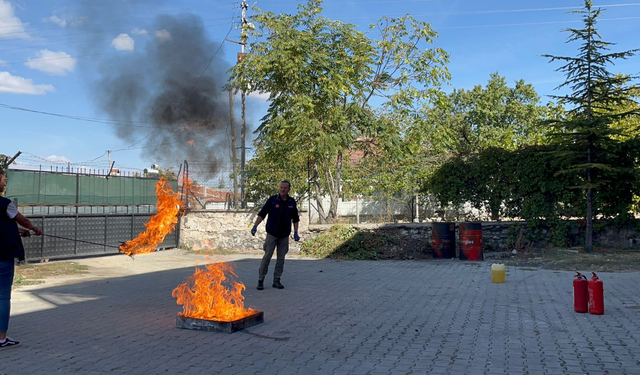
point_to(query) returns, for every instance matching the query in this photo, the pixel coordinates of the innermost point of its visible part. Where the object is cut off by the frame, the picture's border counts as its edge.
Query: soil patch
(575, 259)
(36, 273)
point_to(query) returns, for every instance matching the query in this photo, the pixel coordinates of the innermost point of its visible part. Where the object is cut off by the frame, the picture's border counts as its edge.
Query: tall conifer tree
(585, 135)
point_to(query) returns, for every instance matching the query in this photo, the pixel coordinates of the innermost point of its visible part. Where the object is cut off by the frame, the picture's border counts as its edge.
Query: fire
(160, 224)
(212, 294)
(192, 143)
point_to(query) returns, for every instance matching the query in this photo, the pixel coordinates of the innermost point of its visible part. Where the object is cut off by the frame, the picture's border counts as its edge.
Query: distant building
(152, 172)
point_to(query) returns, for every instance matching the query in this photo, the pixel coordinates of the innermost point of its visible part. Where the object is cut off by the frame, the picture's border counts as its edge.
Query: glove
(295, 236)
(254, 230)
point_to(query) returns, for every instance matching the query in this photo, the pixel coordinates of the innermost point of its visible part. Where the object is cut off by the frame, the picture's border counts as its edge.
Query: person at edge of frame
(10, 249)
(282, 211)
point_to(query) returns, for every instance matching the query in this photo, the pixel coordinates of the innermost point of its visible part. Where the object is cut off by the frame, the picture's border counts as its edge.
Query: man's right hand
(254, 230)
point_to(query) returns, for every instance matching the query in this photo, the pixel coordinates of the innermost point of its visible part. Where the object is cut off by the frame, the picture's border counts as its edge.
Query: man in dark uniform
(282, 211)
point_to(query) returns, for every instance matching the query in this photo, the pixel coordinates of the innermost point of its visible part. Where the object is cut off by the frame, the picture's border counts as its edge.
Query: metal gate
(106, 232)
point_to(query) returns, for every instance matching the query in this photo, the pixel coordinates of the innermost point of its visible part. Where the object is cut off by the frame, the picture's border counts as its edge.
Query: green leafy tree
(169, 174)
(496, 115)
(321, 76)
(222, 183)
(523, 183)
(4, 159)
(586, 134)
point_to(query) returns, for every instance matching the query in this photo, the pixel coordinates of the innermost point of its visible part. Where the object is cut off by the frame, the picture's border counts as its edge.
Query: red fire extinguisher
(596, 295)
(580, 293)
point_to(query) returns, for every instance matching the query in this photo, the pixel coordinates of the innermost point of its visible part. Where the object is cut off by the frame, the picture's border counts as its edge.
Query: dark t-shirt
(281, 214)
(10, 241)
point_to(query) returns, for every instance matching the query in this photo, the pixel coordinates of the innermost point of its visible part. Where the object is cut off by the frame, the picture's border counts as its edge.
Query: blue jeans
(6, 281)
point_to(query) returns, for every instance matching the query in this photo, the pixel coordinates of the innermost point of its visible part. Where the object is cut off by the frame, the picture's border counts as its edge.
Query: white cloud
(57, 20)
(123, 42)
(56, 63)
(138, 31)
(163, 35)
(57, 159)
(18, 85)
(259, 95)
(11, 25)
(64, 17)
(2, 62)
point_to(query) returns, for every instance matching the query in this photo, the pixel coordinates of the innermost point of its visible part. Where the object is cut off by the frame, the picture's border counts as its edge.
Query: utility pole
(109, 159)
(234, 157)
(243, 125)
(243, 131)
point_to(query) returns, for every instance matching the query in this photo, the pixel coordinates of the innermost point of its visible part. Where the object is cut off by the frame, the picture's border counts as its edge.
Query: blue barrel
(443, 240)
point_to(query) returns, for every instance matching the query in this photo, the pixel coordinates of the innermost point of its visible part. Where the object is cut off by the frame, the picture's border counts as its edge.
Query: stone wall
(229, 230)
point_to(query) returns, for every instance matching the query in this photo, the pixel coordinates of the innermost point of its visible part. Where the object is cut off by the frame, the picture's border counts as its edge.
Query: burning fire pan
(213, 325)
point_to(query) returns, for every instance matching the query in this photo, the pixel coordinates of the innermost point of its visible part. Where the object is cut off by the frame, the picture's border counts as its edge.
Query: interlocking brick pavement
(333, 317)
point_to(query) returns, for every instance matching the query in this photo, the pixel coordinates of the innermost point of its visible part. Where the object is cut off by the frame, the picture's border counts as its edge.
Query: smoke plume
(162, 91)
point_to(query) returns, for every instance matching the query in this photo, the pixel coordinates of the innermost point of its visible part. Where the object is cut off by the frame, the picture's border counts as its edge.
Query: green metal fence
(42, 187)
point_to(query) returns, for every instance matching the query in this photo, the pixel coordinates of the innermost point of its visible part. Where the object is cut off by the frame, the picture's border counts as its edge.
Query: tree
(496, 115)
(222, 183)
(586, 134)
(168, 173)
(321, 76)
(522, 183)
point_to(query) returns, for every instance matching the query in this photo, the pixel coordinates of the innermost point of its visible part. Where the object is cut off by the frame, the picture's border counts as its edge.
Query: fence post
(77, 191)
(105, 233)
(39, 185)
(357, 209)
(75, 234)
(42, 240)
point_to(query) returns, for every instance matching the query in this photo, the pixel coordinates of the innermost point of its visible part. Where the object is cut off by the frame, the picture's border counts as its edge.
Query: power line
(532, 23)
(79, 118)
(115, 31)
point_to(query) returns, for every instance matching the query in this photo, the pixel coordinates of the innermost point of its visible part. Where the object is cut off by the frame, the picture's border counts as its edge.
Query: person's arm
(296, 219)
(23, 221)
(258, 220)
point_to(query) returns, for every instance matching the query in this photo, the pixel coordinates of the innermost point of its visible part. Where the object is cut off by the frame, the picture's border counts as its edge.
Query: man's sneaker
(9, 343)
(276, 284)
(260, 284)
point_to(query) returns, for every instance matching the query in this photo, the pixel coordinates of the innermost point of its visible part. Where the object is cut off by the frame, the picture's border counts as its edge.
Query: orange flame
(192, 143)
(212, 294)
(159, 225)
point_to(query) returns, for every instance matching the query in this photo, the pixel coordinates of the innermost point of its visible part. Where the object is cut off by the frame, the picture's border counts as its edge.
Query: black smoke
(169, 91)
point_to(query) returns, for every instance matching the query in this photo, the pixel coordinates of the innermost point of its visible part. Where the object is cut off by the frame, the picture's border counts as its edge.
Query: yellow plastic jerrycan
(498, 273)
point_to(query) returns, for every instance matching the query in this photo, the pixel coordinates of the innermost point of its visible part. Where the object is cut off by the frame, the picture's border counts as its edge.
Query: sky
(80, 77)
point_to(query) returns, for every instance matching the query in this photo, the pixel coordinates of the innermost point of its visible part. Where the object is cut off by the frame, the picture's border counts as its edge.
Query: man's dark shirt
(281, 215)
(10, 241)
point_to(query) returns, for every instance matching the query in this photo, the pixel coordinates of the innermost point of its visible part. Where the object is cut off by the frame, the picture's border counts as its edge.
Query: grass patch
(36, 273)
(575, 259)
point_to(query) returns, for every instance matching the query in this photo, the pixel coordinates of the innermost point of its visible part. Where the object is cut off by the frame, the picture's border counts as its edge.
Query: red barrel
(470, 241)
(596, 295)
(580, 293)
(443, 240)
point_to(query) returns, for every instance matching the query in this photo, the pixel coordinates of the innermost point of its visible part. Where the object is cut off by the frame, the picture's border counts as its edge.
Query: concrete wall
(206, 229)
(230, 230)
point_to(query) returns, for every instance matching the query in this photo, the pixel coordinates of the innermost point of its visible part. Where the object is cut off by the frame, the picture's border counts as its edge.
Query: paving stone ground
(333, 317)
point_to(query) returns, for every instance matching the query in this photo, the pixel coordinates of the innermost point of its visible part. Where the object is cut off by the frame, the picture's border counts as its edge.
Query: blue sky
(53, 52)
